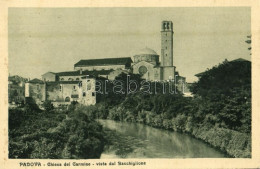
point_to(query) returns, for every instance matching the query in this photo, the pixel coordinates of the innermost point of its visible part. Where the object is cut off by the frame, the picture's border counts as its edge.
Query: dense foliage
(219, 113)
(54, 134)
(225, 94)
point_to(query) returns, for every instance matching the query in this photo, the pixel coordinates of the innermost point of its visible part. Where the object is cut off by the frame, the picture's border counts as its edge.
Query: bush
(48, 106)
(178, 123)
(76, 135)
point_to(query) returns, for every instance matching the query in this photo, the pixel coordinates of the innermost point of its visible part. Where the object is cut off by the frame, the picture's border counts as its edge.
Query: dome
(146, 51)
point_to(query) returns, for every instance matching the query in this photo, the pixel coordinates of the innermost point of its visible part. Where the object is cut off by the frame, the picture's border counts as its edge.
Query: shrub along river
(134, 140)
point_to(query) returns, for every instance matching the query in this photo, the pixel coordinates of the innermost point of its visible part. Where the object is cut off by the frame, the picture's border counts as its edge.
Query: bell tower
(167, 43)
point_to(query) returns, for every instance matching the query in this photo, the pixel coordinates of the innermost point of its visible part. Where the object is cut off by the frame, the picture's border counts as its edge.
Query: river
(134, 140)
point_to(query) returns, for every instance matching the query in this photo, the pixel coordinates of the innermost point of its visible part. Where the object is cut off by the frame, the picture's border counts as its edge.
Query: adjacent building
(62, 92)
(104, 64)
(16, 90)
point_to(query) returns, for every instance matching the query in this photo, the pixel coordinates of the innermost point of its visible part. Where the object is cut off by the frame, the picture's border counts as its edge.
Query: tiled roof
(63, 82)
(36, 81)
(86, 72)
(103, 62)
(48, 72)
(146, 51)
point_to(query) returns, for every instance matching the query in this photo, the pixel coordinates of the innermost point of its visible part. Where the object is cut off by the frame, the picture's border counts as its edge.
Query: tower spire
(167, 43)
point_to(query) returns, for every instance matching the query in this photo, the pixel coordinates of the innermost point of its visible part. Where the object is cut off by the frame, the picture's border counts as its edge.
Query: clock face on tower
(142, 70)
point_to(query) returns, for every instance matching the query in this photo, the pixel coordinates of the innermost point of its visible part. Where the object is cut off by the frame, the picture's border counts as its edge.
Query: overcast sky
(54, 39)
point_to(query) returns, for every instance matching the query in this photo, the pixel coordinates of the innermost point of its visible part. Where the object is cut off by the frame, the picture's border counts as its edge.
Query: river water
(134, 140)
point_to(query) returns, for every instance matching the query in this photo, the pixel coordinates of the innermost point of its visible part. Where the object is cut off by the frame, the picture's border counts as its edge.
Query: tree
(225, 94)
(48, 106)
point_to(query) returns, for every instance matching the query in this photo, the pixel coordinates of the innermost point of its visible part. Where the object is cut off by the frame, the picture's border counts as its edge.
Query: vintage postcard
(122, 84)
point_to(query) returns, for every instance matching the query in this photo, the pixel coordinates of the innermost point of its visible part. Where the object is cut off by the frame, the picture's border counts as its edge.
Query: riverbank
(233, 143)
(136, 140)
(219, 113)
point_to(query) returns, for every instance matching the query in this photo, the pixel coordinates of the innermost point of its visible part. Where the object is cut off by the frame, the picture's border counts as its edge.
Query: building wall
(168, 72)
(84, 93)
(62, 94)
(182, 86)
(115, 73)
(53, 92)
(70, 78)
(88, 87)
(149, 75)
(70, 91)
(16, 90)
(148, 58)
(37, 91)
(16, 93)
(49, 76)
(91, 68)
(27, 90)
(158, 73)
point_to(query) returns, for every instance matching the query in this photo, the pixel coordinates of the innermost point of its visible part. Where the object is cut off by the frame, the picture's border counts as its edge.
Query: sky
(54, 39)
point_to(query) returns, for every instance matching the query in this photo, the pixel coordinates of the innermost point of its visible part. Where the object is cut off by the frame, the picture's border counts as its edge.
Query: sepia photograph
(129, 83)
(124, 86)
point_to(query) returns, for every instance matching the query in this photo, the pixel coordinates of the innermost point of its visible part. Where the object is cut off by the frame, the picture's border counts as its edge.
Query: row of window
(67, 99)
(70, 79)
(74, 87)
(103, 68)
(144, 58)
(80, 85)
(84, 94)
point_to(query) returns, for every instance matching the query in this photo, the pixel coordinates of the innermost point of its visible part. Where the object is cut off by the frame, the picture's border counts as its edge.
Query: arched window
(67, 99)
(62, 79)
(70, 79)
(84, 94)
(77, 79)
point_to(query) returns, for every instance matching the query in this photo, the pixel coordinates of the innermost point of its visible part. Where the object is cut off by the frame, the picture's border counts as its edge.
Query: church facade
(64, 87)
(145, 62)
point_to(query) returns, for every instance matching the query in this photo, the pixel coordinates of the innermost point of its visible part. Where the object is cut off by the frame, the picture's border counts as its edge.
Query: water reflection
(131, 140)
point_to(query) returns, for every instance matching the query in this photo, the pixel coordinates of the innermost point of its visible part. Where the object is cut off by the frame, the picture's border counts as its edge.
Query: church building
(64, 87)
(145, 62)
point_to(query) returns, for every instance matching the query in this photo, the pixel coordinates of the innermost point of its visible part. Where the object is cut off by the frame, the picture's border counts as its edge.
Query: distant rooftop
(36, 81)
(146, 51)
(104, 62)
(86, 72)
(63, 82)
